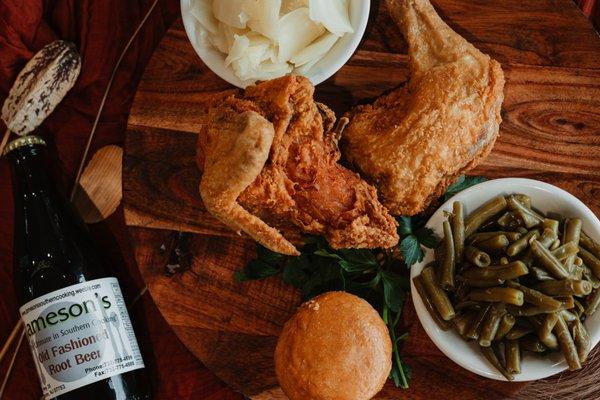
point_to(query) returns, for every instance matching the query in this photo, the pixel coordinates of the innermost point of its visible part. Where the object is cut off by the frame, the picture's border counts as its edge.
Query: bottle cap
(24, 141)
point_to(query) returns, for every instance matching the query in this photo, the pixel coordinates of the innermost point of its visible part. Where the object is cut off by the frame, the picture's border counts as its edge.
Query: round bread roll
(336, 346)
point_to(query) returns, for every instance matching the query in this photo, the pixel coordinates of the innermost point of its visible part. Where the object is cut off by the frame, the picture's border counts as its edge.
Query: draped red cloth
(100, 30)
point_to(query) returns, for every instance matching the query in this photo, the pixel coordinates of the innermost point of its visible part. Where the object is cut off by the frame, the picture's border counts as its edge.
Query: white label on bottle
(79, 335)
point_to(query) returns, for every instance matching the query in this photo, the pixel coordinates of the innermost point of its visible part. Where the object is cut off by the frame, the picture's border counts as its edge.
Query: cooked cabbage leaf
(315, 51)
(296, 32)
(333, 14)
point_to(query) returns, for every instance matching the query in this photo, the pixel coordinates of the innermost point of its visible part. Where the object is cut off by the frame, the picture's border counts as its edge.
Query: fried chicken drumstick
(270, 161)
(415, 141)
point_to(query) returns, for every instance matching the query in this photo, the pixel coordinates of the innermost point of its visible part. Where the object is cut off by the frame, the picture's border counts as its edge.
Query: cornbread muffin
(336, 347)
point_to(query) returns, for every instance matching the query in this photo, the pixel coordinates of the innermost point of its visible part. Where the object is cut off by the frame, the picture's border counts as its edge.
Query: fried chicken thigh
(270, 156)
(415, 141)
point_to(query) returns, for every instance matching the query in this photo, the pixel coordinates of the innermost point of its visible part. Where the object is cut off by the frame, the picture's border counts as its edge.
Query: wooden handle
(10, 340)
(4, 141)
(11, 364)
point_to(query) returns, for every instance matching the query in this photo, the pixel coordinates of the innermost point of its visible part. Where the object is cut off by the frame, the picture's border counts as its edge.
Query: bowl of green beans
(511, 292)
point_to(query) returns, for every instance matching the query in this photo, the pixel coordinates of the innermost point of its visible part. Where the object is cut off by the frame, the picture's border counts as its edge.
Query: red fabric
(100, 29)
(591, 8)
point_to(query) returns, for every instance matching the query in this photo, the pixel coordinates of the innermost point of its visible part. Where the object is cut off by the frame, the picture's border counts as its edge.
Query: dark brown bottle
(76, 321)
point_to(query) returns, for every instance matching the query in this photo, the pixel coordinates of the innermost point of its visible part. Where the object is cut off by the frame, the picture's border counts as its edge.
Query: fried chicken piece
(301, 184)
(239, 149)
(414, 142)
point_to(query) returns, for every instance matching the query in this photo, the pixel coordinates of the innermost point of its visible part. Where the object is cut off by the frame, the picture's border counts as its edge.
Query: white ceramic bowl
(337, 56)
(546, 198)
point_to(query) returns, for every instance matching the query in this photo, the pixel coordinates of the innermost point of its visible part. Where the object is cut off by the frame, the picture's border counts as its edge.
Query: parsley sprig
(378, 276)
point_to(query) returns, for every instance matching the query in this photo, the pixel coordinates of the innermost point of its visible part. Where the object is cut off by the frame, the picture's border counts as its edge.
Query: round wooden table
(551, 132)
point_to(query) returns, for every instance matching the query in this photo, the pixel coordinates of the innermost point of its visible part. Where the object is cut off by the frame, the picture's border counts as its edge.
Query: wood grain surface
(100, 190)
(551, 131)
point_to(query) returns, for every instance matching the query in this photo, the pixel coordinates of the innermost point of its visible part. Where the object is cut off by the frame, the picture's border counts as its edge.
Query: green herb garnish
(378, 276)
(462, 183)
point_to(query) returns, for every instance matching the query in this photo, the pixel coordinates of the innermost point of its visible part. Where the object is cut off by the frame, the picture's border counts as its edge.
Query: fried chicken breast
(415, 141)
(285, 173)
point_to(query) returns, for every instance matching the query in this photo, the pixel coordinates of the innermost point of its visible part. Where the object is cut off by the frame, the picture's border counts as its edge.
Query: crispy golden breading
(415, 141)
(301, 184)
(240, 144)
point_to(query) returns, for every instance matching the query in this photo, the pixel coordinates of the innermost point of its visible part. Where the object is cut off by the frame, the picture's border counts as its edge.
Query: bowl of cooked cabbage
(245, 41)
(512, 290)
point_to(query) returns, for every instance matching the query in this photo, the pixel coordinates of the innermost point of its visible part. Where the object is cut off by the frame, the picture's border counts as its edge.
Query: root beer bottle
(75, 318)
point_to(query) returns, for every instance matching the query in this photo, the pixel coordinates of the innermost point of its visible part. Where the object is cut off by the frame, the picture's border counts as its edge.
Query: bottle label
(79, 335)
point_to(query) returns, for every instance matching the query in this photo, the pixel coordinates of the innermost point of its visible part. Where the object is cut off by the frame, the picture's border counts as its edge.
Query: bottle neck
(30, 178)
(52, 247)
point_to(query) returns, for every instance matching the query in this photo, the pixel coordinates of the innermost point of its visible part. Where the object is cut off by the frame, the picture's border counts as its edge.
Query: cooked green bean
(481, 236)
(547, 260)
(579, 309)
(572, 230)
(418, 282)
(577, 272)
(568, 316)
(512, 355)
(592, 302)
(461, 322)
(518, 331)
(509, 271)
(513, 236)
(551, 224)
(572, 234)
(484, 213)
(568, 302)
(545, 330)
(582, 340)
(590, 277)
(532, 343)
(565, 287)
(548, 237)
(590, 244)
(537, 298)
(490, 325)
(529, 218)
(517, 279)
(522, 243)
(527, 259)
(540, 274)
(477, 257)
(506, 324)
(475, 323)
(437, 296)
(499, 350)
(566, 250)
(590, 260)
(481, 283)
(527, 311)
(496, 244)
(524, 199)
(566, 344)
(545, 327)
(458, 229)
(468, 304)
(490, 355)
(449, 260)
(509, 220)
(498, 294)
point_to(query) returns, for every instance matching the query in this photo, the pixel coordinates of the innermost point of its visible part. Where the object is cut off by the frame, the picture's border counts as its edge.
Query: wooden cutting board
(551, 131)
